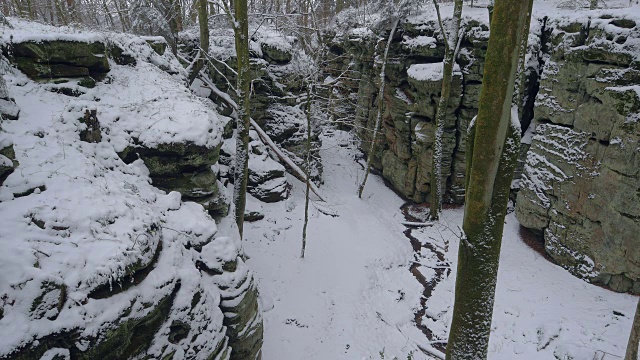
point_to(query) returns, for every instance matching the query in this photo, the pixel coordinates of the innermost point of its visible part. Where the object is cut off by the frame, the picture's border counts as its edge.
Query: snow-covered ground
(353, 296)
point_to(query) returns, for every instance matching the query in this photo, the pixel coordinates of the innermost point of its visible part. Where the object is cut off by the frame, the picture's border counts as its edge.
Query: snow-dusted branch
(297, 172)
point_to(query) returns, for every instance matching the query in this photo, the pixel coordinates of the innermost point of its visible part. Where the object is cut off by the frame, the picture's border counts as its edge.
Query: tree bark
(307, 172)
(376, 126)
(634, 337)
(203, 22)
(521, 94)
(241, 27)
(441, 113)
(495, 151)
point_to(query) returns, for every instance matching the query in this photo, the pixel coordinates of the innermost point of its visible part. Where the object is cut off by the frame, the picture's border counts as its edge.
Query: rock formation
(108, 252)
(579, 187)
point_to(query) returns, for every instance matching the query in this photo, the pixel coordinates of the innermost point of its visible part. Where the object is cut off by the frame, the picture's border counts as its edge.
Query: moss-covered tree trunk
(376, 126)
(441, 113)
(495, 149)
(173, 17)
(521, 92)
(203, 22)
(634, 337)
(241, 27)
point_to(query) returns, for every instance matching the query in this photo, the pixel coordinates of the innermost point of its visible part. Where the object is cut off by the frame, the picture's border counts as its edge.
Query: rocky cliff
(404, 154)
(108, 185)
(579, 188)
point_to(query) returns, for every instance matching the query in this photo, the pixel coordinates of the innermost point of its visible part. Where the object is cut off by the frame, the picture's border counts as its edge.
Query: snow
(73, 214)
(353, 296)
(420, 40)
(429, 72)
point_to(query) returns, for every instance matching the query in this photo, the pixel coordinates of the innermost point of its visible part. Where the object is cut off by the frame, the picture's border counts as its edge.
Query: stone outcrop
(278, 92)
(580, 183)
(60, 59)
(8, 162)
(185, 168)
(580, 161)
(8, 108)
(127, 271)
(404, 154)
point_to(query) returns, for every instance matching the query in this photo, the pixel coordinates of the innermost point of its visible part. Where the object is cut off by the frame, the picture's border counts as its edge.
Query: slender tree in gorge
(494, 142)
(450, 47)
(376, 126)
(241, 31)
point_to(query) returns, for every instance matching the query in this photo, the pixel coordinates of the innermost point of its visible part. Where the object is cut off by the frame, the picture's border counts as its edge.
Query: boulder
(60, 58)
(8, 162)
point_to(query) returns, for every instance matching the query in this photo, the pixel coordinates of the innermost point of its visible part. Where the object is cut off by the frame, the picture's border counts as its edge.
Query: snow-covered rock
(580, 181)
(97, 261)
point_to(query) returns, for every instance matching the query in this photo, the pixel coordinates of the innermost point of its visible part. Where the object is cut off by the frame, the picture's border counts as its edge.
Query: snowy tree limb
(297, 172)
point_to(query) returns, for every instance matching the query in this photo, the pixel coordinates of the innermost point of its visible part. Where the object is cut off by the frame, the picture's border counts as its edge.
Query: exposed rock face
(8, 108)
(278, 92)
(404, 154)
(8, 161)
(124, 270)
(56, 59)
(185, 168)
(582, 174)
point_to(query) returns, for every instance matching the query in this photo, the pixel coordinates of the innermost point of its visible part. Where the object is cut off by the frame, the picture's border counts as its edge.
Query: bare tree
(494, 141)
(376, 126)
(450, 52)
(241, 172)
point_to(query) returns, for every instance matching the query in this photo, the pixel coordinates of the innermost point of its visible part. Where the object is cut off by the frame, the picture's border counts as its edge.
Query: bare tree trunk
(203, 22)
(61, 13)
(107, 13)
(30, 10)
(496, 147)
(521, 96)
(634, 337)
(241, 28)
(376, 126)
(441, 114)
(307, 171)
(73, 14)
(120, 15)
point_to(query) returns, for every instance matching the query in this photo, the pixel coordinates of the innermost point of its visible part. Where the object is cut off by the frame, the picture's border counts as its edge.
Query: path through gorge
(370, 287)
(354, 295)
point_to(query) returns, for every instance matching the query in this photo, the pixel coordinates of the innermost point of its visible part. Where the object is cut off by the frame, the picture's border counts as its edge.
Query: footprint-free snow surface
(353, 295)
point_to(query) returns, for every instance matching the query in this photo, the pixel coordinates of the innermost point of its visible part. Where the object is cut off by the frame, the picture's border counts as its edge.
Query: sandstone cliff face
(109, 247)
(581, 181)
(579, 166)
(404, 154)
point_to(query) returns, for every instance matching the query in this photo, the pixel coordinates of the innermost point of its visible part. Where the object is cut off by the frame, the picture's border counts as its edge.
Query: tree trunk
(307, 171)
(203, 22)
(521, 94)
(441, 114)
(376, 126)
(634, 337)
(241, 28)
(495, 151)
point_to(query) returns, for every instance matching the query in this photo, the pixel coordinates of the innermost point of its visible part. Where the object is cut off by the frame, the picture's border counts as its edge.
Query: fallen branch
(325, 210)
(416, 224)
(297, 172)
